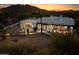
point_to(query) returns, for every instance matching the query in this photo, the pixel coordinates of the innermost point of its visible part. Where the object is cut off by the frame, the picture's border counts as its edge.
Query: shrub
(43, 51)
(66, 44)
(18, 49)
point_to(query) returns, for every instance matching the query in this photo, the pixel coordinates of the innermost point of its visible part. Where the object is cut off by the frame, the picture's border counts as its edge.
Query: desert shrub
(66, 44)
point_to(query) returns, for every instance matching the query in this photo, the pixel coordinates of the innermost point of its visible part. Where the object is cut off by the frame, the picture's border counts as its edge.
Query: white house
(49, 24)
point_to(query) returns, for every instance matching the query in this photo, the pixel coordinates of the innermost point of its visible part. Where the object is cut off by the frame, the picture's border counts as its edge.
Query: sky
(4, 5)
(57, 7)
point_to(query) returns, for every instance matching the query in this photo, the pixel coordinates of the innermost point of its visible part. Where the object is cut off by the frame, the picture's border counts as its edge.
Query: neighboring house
(49, 24)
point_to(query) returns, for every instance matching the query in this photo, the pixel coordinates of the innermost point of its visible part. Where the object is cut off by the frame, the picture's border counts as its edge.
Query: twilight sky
(58, 7)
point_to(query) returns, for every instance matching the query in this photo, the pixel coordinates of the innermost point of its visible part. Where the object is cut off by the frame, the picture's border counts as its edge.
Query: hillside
(18, 9)
(14, 13)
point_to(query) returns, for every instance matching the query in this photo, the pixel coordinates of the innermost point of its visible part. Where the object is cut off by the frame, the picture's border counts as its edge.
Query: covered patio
(54, 28)
(56, 24)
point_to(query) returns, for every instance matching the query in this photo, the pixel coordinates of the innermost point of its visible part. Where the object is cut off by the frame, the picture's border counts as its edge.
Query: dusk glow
(57, 6)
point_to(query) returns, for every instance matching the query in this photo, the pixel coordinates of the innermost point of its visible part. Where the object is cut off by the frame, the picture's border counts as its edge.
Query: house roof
(57, 20)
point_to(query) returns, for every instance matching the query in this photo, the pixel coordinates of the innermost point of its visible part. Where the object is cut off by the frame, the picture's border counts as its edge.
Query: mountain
(14, 11)
(17, 9)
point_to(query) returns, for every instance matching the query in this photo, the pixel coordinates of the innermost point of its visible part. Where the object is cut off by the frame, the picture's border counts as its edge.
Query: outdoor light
(54, 30)
(71, 27)
(65, 27)
(7, 34)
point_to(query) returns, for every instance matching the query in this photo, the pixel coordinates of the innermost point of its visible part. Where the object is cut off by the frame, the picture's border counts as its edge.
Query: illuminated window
(65, 27)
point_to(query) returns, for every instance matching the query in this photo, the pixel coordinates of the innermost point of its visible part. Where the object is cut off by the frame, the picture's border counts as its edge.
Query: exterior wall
(54, 28)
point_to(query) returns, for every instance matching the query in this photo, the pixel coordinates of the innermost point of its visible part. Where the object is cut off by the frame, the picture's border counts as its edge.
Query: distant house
(49, 24)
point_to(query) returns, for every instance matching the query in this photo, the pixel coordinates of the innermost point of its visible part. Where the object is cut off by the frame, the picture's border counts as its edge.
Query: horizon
(50, 7)
(57, 7)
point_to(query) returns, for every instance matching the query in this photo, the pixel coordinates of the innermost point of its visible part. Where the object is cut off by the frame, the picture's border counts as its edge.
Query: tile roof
(57, 20)
(51, 20)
